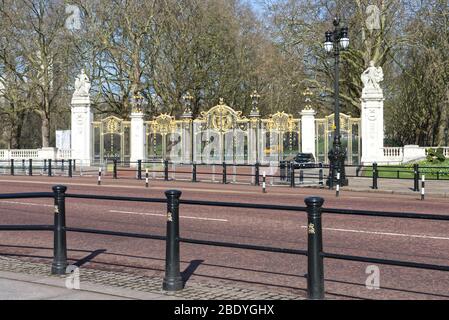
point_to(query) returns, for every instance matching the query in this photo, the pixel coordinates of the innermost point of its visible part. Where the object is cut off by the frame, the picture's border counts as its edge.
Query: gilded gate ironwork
(223, 134)
(350, 137)
(280, 137)
(111, 139)
(164, 135)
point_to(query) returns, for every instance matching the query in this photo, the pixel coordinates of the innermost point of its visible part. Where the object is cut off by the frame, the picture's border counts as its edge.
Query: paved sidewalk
(21, 280)
(436, 188)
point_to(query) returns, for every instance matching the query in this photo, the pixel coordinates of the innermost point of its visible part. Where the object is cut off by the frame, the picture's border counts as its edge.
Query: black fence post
(70, 169)
(375, 175)
(60, 244)
(74, 165)
(257, 174)
(139, 169)
(172, 280)
(292, 175)
(166, 170)
(45, 165)
(301, 176)
(320, 174)
(194, 172)
(49, 167)
(62, 165)
(315, 267)
(416, 177)
(224, 173)
(282, 170)
(12, 167)
(30, 167)
(23, 165)
(114, 168)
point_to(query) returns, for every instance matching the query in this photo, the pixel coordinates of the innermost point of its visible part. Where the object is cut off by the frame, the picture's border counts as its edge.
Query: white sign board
(63, 139)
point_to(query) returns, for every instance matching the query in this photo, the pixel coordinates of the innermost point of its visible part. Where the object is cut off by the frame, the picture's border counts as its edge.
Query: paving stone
(200, 290)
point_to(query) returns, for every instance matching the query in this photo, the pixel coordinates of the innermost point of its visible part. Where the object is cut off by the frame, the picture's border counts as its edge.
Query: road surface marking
(27, 203)
(386, 233)
(164, 215)
(136, 187)
(373, 194)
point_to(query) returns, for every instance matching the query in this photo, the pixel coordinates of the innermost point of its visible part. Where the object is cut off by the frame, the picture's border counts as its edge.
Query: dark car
(304, 160)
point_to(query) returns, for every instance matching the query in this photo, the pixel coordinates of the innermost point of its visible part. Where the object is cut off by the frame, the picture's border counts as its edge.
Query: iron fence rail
(314, 253)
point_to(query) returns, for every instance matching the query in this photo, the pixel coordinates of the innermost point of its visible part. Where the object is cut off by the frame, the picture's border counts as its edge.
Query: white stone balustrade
(35, 154)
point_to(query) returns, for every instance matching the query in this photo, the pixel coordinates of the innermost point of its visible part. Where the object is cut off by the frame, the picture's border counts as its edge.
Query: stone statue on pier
(82, 84)
(372, 111)
(371, 78)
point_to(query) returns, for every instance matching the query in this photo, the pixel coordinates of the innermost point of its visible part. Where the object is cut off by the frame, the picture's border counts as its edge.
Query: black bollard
(166, 170)
(416, 177)
(139, 169)
(315, 273)
(30, 167)
(49, 167)
(70, 168)
(375, 175)
(172, 280)
(337, 192)
(114, 169)
(23, 165)
(301, 176)
(12, 167)
(264, 184)
(224, 173)
(45, 165)
(257, 173)
(99, 176)
(74, 165)
(194, 172)
(320, 174)
(60, 244)
(146, 178)
(62, 165)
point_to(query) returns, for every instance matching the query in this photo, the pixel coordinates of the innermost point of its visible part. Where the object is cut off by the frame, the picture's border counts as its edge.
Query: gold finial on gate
(308, 98)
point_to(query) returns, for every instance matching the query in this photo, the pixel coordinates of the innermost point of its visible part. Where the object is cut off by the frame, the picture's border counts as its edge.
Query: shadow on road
(187, 273)
(89, 257)
(194, 264)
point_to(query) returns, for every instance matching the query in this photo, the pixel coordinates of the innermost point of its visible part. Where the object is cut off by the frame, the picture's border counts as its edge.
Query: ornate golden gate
(350, 137)
(221, 135)
(164, 137)
(280, 137)
(111, 138)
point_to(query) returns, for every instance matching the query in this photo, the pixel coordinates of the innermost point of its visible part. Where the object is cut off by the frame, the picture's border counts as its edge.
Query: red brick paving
(274, 272)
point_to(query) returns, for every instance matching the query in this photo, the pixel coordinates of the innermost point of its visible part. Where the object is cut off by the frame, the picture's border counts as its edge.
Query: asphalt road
(401, 239)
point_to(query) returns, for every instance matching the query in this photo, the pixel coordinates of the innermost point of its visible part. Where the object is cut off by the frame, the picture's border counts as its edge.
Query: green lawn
(429, 169)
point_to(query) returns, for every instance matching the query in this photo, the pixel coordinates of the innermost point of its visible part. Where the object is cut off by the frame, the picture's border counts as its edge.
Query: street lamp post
(337, 41)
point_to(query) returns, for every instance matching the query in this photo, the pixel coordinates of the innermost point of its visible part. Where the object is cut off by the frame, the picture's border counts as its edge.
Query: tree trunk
(45, 127)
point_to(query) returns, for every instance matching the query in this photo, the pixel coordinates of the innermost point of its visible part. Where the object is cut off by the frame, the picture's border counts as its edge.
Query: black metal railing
(172, 280)
(30, 167)
(285, 172)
